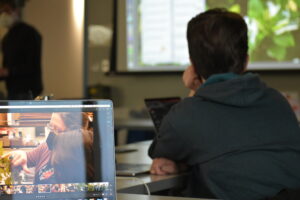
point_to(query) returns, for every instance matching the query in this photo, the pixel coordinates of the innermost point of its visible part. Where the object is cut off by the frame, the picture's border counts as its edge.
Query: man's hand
(190, 79)
(18, 159)
(163, 166)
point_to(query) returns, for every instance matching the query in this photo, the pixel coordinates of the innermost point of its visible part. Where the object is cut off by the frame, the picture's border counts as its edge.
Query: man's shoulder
(25, 27)
(187, 106)
(189, 103)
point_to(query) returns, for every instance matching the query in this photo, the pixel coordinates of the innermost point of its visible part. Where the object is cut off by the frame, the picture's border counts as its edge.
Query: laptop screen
(57, 150)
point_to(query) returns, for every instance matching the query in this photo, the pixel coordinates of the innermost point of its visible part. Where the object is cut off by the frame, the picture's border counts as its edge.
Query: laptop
(130, 169)
(74, 162)
(159, 107)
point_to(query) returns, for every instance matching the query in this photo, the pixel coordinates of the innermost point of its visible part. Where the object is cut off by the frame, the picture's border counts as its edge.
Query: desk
(134, 124)
(135, 185)
(123, 125)
(129, 188)
(145, 197)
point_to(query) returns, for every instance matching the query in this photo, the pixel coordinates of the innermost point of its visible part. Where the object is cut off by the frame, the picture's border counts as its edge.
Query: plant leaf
(284, 40)
(277, 53)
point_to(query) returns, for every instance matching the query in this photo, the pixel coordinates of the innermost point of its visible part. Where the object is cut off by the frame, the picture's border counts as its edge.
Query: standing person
(238, 137)
(21, 49)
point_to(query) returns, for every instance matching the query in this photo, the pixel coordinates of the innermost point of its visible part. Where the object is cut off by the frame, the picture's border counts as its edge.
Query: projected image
(160, 39)
(273, 27)
(156, 31)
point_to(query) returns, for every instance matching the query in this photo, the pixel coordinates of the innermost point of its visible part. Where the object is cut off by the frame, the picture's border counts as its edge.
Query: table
(134, 124)
(135, 185)
(123, 125)
(129, 188)
(146, 197)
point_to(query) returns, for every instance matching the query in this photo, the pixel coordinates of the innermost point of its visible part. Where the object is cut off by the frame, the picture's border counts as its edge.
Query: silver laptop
(69, 146)
(129, 169)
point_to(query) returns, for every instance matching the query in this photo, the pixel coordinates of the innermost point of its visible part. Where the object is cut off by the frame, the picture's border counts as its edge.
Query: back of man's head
(218, 42)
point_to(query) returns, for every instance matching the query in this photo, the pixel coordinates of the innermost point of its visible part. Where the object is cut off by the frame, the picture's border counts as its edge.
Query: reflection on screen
(53, 155)
(156, 32)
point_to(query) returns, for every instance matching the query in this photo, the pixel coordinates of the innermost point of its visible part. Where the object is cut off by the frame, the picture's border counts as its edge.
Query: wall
(129, 91)
(62, 45)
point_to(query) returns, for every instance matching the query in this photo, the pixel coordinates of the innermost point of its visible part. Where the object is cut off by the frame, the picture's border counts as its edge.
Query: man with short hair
(21, 49)
(239, 138)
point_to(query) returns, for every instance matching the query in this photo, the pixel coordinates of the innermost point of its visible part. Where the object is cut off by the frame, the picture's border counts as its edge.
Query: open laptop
(159, 107)
(81, 162)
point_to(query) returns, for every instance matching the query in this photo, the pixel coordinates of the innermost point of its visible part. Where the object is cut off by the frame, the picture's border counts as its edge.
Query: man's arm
(164, 166)
(168, 151)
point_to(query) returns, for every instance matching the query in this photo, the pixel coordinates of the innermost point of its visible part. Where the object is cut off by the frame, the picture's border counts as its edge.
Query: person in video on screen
(70, 125)
(73, 161)
(238, 138)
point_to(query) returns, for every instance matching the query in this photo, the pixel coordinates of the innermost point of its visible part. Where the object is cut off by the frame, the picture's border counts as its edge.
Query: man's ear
(194, 69)
(192, 63)
(193, 66)
(200, 79)
(246, 63)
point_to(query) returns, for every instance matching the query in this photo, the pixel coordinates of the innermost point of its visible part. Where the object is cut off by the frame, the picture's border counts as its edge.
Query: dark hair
(74, 161)
(75, 120)
(217, 42)
(11, 3)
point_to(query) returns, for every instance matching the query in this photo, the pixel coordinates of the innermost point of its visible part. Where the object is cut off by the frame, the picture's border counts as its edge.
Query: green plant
(5, 172)
(271, 24)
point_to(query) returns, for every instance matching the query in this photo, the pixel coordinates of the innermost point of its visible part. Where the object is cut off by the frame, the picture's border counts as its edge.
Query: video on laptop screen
(56, 152)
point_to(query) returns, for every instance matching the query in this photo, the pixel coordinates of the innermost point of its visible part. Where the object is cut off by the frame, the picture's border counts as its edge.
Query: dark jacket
(240, 138)
(21, 49)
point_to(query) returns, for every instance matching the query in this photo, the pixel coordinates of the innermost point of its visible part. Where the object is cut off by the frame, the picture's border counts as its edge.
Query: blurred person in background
(21, 49)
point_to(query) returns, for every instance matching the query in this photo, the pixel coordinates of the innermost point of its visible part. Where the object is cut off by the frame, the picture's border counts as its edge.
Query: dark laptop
(159, 107)
(81, 164)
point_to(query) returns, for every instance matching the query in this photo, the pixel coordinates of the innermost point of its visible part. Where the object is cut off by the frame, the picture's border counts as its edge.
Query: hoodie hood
(232, 89)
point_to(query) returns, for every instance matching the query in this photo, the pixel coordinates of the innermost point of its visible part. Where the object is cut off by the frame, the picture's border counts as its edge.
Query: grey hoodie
(240, 138)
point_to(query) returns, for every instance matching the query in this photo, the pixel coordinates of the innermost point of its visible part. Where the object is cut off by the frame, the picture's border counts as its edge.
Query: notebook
(158, 108)
(69, 146)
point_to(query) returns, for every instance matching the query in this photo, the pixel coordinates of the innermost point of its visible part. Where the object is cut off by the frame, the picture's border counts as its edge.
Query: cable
(139, 180)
